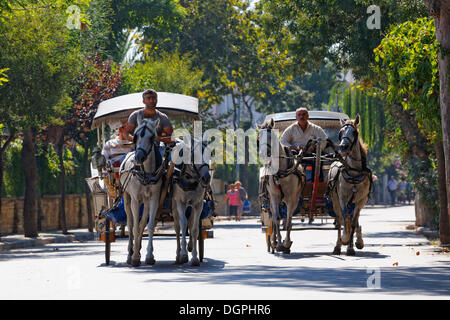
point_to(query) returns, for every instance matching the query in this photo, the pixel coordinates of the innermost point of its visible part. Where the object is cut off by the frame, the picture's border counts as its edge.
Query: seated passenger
(115, 149)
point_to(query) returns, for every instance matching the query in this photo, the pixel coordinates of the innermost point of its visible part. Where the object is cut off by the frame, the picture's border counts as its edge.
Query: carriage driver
(297, 135)
(164, 130)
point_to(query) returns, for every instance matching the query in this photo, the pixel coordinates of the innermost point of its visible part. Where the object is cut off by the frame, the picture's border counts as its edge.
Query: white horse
(349, 186)
(137, 191)
(284, 186)
(188, 190)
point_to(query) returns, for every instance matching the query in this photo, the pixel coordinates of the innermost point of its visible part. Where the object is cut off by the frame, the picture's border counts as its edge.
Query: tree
(408, 74)
(336, 30)
(35, 44)
(154, 18)
(439, 10)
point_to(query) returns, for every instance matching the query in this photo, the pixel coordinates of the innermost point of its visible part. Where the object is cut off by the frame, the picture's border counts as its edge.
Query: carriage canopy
(176, 106)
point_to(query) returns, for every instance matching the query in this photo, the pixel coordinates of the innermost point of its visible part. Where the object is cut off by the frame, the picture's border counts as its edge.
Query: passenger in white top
(297, 135)
(116, 148)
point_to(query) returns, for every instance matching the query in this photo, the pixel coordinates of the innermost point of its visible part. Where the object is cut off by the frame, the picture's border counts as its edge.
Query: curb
(11, 242)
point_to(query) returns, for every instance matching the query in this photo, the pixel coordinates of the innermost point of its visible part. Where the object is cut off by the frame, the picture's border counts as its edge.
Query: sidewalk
(16, 241)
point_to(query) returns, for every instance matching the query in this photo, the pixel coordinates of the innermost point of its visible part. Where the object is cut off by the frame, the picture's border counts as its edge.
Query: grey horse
(349, 183)
(286, 185)
(189, 185)
(135, 192)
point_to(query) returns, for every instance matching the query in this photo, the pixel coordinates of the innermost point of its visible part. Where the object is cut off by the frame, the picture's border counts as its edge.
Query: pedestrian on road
(243, 196)
(402, 189)
(234, 201)
(392, 188)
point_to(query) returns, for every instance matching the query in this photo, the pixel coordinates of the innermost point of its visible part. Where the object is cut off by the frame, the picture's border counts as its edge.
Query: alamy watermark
(229, 147)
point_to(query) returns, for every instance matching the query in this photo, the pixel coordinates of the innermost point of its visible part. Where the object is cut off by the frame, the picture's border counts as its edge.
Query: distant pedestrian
(402, 190)
(392, 188)
(243, 196)
(234, 201)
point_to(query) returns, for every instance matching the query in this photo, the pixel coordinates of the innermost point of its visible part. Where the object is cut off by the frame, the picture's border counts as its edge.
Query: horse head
(192, 167)
(144, 138)
(348, 136)
(264, 142)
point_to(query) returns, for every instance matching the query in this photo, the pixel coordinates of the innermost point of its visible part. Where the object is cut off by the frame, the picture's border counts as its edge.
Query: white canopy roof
(176, 106)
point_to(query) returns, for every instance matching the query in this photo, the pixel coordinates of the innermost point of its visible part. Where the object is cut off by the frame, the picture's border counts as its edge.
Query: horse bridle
(345, 130)
(141, 130)
(196, 169)
(268, 131)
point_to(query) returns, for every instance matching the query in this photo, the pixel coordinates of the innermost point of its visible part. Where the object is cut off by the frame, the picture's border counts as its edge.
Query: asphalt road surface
(396, 263)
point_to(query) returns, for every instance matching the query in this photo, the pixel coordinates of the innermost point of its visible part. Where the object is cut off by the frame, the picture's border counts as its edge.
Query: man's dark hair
(149, 91)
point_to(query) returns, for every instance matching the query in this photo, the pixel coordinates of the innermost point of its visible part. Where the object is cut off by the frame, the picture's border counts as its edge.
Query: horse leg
(359, 240)
(136, 257)
(287, 241)
(153, 204)
(339, 220)
(127, 205)
(176, 222)
(276, 219)
(194, 231)
(183, 258)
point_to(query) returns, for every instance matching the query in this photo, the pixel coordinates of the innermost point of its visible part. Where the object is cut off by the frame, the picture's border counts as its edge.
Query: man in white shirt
(297, 135)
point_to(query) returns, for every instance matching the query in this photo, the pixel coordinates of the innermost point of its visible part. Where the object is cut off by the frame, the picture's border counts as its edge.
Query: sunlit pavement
(395, 263)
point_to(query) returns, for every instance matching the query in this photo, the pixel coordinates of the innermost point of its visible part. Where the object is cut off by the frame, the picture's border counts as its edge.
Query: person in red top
(234, 201)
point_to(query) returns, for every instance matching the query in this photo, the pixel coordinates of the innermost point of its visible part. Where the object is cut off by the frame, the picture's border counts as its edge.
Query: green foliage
(154, 18)
(170, 73)
(3, 77)
(408, 66)
(34, 44)
(336, 30)
(407, 71)
(13, 179)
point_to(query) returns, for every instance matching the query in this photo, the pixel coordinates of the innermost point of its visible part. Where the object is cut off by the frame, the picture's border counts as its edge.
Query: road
(395, 264)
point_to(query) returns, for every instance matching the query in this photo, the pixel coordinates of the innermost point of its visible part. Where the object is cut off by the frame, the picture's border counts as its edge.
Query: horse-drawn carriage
(109, 183)
(313, 199)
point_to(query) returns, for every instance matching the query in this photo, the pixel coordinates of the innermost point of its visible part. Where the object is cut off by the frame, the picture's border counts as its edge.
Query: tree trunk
(440, 10)
(87, 192)
(2, 165)
(62, 185)
(444, 233)
(31, 178)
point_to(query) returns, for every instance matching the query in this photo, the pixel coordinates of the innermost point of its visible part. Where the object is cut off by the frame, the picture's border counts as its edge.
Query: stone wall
(11, 217)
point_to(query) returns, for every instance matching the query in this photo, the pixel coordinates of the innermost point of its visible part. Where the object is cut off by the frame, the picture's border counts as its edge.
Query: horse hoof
(345, 239)
(184, 259)
(359, 244)
(150, 261)
(351, 252)
(287, 245)
(129, 260)
(287, 251)
(195, 263)
(337, 251)
(280, 248)
(136, 263)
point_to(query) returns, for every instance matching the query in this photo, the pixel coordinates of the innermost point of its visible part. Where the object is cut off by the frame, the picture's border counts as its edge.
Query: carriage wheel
(201, 241)
(107, 243)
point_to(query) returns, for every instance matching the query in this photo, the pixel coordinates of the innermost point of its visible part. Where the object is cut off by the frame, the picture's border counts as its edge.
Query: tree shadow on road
(404, 281)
